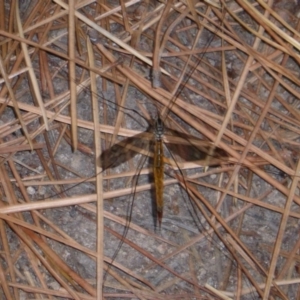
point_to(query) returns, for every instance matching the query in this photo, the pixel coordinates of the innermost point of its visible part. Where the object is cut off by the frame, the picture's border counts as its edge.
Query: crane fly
(128, 148)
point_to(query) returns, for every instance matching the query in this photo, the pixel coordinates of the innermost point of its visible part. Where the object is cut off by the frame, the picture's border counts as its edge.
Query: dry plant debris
(78, 77)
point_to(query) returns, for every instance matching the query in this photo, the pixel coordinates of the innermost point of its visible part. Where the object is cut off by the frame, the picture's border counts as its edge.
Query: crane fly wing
(193, 149)
(123, 151)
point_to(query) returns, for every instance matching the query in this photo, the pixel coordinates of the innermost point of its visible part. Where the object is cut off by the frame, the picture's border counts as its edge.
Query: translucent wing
(193, 149)
(124, 150)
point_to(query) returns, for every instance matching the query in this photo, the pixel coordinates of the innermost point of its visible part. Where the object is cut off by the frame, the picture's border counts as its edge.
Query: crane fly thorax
(158, 129)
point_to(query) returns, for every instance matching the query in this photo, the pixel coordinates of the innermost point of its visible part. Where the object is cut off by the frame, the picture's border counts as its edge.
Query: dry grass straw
(239, 65)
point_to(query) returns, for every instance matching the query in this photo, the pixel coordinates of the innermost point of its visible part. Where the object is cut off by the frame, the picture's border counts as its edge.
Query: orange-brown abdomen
(159, 168)
(159, 178)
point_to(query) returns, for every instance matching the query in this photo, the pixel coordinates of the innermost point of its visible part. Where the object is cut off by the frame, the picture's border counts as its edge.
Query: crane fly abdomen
(158, 168)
